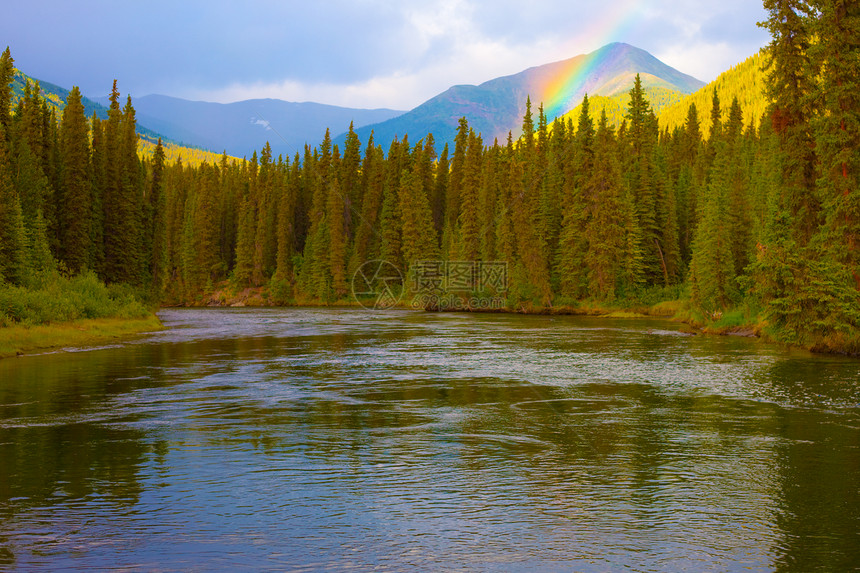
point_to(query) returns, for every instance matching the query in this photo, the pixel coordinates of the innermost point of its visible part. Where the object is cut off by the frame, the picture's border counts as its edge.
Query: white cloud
(449, 42)
(262, 122)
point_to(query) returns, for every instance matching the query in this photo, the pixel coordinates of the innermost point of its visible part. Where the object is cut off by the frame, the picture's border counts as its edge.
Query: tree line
(722, 213)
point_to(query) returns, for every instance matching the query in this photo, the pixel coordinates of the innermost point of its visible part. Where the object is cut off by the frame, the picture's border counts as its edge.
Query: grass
(52, 310)
(20, 339)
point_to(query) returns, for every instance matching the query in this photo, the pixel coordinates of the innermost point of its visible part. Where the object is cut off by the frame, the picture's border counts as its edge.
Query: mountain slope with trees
(754, 223)
(496, 107)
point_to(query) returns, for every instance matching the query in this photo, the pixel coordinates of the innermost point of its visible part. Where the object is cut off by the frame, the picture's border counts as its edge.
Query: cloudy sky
(354, 53)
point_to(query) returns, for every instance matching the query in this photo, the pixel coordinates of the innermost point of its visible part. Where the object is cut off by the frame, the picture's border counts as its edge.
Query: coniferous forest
(751, 224)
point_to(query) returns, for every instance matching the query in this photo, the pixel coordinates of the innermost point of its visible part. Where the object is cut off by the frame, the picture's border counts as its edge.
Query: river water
(315, 439)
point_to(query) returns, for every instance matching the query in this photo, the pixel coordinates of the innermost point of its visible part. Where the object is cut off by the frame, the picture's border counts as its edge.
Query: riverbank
(19, 340)
(740, 321)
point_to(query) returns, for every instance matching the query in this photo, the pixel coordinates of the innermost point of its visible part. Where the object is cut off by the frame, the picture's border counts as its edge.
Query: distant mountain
(496, 107)
(56, 97)
(242, 127)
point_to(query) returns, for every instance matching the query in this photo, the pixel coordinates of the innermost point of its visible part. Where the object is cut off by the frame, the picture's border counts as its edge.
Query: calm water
(353, 440)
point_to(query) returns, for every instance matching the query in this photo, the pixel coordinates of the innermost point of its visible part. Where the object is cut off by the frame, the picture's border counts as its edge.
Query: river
(319, 439)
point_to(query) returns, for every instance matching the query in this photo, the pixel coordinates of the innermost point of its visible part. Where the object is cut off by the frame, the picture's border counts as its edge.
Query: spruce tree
(570, 263)
(337, 228)
(450, 239)
(604, 232)
(76, 200)
(158, 228)
(468, 225)
(7, 75)
(367, 237)
(13, 254)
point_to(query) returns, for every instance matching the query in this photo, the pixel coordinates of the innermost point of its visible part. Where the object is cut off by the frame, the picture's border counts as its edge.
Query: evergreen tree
(440, 191)
(419, 236)
(789, 86)
(366, 244)
(712, 270)
(337, 227)
(836, 128)
(76, 209)
(286, 227)
(98, 159)
(41, 261)
(7, 75)
(604, 231)
(158, 228)
(244, 267)
(390, 228)
(13, 260)
(468, 226)
(643, 180)
(570, 261)
(450, 240)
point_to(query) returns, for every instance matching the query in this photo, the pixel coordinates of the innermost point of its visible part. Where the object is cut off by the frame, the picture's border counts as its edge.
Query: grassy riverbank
(17, 340)
(52, 310)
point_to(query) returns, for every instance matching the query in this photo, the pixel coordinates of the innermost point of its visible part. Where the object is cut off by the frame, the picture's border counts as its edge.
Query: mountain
(497, 106)
(242, 127)
(744, 81)
(56, 97)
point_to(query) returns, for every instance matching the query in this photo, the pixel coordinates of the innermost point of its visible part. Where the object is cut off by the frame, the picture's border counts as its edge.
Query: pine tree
(13, 259)
(337, 227)
(440, 191)
(712, 270)
(41, 261)
(487, 200)
(350, 179)
(98, 159)
(530, 275)
(244, 267)
(390, 227)
(7, 75)
(419, 236)
(158, 229)
(789, 86)
(643, 179)
(206, 226)
(76, 201)
(286, 227)
(366, 244)
(450, 239)
(836, 54)
(468, 225)
(570, 263)
(604, 231)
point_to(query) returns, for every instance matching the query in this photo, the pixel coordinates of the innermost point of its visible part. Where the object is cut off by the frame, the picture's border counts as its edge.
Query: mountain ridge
(240, 128)
(496, 106)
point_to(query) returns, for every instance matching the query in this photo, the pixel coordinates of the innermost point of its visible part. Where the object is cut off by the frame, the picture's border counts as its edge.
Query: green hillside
(744, 81)
(55, 97)
(616, 105)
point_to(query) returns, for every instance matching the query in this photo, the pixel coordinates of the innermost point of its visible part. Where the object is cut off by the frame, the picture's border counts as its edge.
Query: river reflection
(344, 439)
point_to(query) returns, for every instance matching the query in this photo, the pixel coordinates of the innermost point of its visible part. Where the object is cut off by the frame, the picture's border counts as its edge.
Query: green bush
(56, 298)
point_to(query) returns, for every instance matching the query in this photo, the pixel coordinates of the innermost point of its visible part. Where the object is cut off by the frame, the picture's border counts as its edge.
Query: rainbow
(564, 90)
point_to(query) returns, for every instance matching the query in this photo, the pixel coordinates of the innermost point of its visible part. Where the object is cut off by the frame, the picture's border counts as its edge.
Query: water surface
(309, 439)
